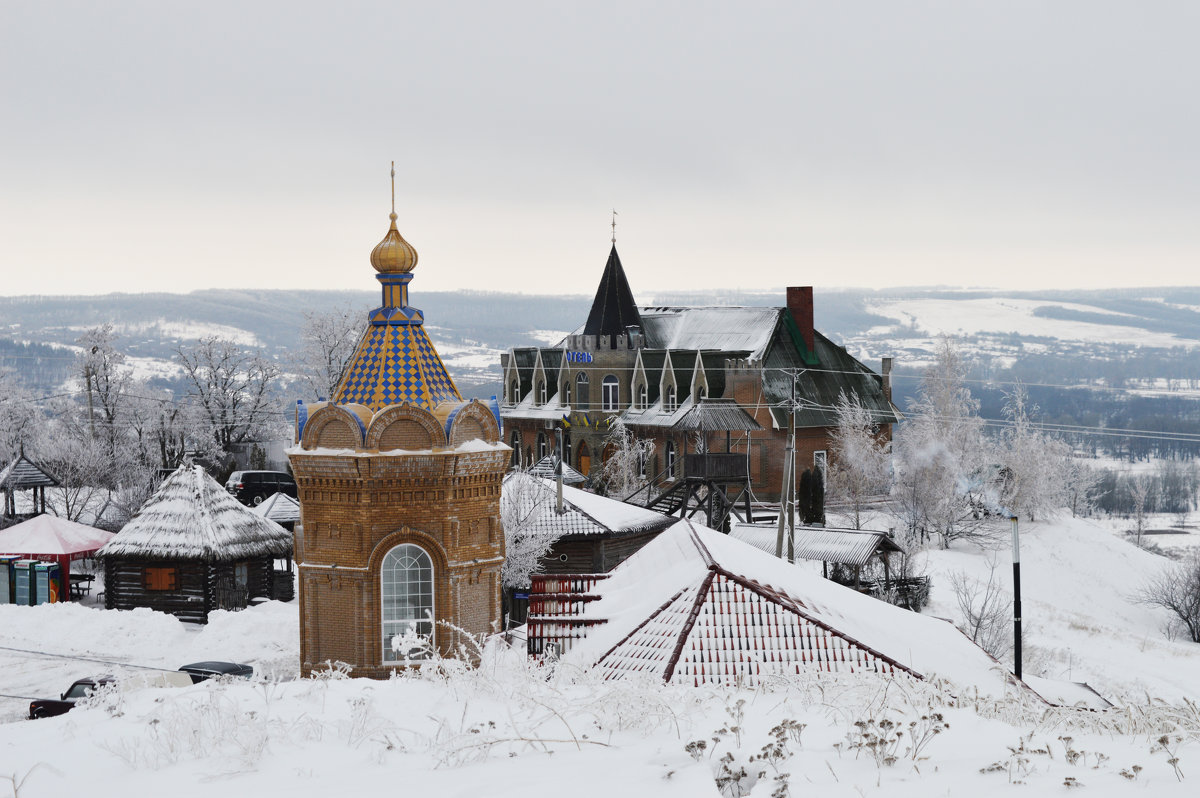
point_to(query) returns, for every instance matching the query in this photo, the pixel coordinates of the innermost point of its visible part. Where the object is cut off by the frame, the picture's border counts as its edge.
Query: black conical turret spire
(613, 309)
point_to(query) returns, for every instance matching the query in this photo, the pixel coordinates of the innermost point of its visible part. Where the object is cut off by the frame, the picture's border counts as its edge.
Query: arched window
(541, 445)
(643, 396)
(669, 402)
(406, 578)
(566, 393)
(670, 459)
(514, 392)
(701, 392)
(541, 392)
(581, 390)
(516, 448)
(610, 391)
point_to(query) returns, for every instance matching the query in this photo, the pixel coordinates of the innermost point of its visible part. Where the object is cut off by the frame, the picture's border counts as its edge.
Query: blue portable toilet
(25, 592)
(7, 586)
(47, 582)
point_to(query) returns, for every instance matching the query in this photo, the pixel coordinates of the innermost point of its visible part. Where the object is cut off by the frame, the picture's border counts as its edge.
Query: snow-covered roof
(545, 469)
(528, 409)
(720, 328)
(823, 544)
(191, 517)
(280, 508)
(49, 535)
(23, 473)
(585, 514)
(695, 606)
(656, 415)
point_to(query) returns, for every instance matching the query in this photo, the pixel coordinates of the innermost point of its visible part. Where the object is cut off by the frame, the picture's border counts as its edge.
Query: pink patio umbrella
(50, 538)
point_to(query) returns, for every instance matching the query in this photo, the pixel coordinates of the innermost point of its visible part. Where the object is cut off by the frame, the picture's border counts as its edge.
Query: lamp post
(1016, 558)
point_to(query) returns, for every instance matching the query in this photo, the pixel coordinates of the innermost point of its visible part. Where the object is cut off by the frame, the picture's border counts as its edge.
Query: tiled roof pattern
(723, 631)
(396, 364)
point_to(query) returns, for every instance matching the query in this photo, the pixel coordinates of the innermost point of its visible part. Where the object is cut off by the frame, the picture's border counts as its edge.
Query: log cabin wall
(125, 588)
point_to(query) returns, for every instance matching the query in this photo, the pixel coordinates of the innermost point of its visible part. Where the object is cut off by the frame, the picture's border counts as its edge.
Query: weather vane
(393, 186)
(614, 227)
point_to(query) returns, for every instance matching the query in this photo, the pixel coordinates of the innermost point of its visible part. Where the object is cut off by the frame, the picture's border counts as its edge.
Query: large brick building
(399, 486)
(650, 366)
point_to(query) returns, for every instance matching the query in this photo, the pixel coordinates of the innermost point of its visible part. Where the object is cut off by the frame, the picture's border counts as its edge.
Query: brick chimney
(800, 305)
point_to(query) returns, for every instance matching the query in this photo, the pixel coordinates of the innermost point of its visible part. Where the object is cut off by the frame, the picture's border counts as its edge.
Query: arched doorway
(584, 465)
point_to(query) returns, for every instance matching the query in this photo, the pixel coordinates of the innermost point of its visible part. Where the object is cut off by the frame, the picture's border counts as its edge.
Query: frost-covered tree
(106, 379)
(1177, 590)
(328, 340)
(232, 387)
(624, 470)
(21, 422)
(984, 611)
(1034, 463)
(525, 501)
(941, 456)
(860, 467)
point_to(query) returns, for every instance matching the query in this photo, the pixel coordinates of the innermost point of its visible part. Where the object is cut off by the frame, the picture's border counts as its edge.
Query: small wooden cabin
(192, 548)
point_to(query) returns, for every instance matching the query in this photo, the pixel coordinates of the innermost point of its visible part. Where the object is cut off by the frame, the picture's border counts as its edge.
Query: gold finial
(393, 255)
(614, 227)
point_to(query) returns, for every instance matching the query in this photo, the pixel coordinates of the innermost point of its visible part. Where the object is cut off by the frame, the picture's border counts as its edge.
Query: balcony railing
(714, 465)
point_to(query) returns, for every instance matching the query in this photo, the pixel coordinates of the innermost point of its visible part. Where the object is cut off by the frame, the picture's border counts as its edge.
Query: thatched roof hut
(192, 548)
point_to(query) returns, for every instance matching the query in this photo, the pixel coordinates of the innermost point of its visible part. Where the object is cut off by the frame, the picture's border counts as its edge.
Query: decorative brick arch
(407, 534)
(404, 427)
(474, 422)
(333, 427)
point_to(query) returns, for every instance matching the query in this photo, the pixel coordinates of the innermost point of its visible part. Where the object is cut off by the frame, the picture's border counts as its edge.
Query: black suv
(251, 487)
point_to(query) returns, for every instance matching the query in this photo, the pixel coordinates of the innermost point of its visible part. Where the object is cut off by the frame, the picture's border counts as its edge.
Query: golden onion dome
(393, 255)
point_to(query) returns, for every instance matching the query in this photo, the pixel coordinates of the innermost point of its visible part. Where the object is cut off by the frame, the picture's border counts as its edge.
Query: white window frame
(669, 402)
(610, 393)
(391, 627)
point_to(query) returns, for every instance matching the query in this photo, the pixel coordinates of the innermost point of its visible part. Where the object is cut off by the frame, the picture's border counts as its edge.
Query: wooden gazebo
(192, 548)
(23, 474)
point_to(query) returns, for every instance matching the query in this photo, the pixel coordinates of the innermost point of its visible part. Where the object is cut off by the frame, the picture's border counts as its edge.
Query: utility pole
(787, 494)
(1016, 544)
(558, 467)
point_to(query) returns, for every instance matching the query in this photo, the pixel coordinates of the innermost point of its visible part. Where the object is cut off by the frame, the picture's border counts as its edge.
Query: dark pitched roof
(22, 473)
(712, 415)
(818, 387)
(613, 309)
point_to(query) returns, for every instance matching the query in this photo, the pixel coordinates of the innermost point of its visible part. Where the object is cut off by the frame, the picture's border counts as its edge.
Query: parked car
(251, 487)
(82, 688)
(201, 671)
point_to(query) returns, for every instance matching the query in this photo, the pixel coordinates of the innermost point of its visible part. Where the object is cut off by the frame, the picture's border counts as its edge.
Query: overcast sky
(174, 146)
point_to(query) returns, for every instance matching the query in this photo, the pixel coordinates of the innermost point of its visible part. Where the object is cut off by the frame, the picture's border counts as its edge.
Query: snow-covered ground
(509, 728)
(1009, 315)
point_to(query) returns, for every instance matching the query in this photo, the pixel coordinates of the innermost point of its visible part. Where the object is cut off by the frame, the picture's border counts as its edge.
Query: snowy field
(509, 728)
(1009, 315)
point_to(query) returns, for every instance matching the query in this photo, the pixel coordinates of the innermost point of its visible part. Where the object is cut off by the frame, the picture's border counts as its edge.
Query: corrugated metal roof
(280, 508)
(22, 473)
(714, 415)
(585, 515)
(822, 544)
(545, 469)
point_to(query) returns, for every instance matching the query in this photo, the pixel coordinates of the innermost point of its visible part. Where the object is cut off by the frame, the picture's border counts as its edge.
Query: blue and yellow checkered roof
(394, 364)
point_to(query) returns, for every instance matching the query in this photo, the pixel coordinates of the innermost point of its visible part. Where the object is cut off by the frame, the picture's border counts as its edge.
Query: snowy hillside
(511, 729)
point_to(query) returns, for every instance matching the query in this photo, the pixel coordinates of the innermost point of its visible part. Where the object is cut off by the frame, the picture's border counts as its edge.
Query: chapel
(399, 545)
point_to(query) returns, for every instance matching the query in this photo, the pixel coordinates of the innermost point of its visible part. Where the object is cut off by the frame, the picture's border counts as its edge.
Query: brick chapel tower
(399, 484)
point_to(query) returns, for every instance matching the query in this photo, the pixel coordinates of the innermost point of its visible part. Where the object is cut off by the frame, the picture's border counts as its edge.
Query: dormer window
(542, 392)
(514, 392)
(643, 397)
(610, 393)
(669, 402)
(566, 392)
